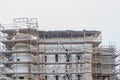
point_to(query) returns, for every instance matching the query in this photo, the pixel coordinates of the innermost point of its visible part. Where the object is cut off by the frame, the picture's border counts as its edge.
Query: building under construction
(27, 53)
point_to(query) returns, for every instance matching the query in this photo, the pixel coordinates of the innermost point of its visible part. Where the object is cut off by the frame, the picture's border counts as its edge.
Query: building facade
(56, 55)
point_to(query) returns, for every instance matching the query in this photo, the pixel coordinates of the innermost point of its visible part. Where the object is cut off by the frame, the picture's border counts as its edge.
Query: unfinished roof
(54, 34)
(67, 34)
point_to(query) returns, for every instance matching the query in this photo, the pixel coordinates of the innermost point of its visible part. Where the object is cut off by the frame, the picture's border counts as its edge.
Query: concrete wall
(62, 68)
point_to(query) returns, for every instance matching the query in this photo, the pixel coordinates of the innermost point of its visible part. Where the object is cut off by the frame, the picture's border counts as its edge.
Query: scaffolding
(21, 43)
(105, 63)
(55, 55)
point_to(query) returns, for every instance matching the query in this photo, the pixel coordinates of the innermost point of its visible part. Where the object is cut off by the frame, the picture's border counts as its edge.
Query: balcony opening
(57, 77)
(18, 59)
(79, 77)
(45, 77)
(56, 57)
(45, 58)
(68, 57)
(79, 57)
(21, 77)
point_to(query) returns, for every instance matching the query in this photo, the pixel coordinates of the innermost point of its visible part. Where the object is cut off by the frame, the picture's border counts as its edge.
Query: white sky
(103, 15)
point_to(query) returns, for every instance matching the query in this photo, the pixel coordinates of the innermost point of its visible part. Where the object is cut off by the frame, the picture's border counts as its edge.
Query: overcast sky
(103, 15)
